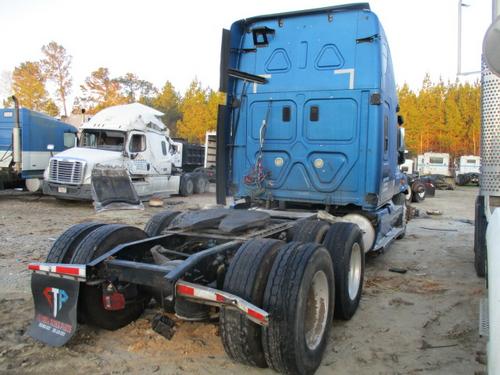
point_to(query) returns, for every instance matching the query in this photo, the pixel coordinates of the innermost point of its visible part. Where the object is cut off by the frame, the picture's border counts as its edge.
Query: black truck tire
(186, 186)
(301, 278)
(63, 248)
(247, 278)
(310, 231)
(343, 241)
(480, 225)
(159, 222)
(94, 245)
(418, 192)
(199, 184)
(206, 183)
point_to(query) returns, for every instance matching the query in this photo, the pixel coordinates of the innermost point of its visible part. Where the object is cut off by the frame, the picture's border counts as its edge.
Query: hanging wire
(255, 180)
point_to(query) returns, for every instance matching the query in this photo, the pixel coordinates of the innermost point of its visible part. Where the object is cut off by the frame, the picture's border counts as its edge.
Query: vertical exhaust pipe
(16, 138)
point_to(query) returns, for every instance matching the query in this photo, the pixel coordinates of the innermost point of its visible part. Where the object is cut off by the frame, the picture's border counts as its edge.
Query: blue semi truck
(308, 147)
(28, 139)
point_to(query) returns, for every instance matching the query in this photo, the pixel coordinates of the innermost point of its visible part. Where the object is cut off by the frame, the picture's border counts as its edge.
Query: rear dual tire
(310, 231)
(247, 278)
(344, 241)
(186, 187)
(65, 245)
(95, 244)
(200, 183)
(293, 282)
(299, 297)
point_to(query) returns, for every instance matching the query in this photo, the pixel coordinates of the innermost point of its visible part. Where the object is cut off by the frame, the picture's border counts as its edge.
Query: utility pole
(461, 5)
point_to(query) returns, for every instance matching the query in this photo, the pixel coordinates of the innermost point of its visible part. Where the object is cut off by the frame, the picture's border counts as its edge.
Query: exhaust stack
(16, 139)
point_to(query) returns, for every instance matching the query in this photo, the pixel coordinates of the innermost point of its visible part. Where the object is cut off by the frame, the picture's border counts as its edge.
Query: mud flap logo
(56, 298)
(56, 302)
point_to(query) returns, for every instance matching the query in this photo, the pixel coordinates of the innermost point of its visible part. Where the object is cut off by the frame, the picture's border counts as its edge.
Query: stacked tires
(302, 284)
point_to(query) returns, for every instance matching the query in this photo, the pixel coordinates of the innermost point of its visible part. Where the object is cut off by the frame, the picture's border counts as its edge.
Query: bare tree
(56, 66)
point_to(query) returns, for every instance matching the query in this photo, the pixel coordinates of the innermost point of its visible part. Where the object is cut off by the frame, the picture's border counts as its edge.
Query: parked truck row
(464, 169)
(47, 155)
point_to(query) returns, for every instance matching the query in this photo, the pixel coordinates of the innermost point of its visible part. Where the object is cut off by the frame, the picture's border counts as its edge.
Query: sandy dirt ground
(421, 322)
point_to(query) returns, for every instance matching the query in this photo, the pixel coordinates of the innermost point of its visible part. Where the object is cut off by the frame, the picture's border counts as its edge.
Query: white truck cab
(434, 163)
(128, 136)
(467, 169)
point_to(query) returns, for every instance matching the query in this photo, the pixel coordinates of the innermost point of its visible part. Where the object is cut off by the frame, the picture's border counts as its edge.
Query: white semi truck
(467, 169)
(128, 136)
(436, 163)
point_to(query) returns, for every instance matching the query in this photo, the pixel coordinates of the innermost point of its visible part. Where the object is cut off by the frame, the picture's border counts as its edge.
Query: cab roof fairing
(326, 10)
(128, 117)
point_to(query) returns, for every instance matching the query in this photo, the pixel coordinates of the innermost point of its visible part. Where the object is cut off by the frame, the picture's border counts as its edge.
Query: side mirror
(401, 146)
(401, 139)
(401, 120)
(50, 147)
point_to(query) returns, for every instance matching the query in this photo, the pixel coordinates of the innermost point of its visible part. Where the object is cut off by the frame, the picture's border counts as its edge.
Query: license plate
(62, 189)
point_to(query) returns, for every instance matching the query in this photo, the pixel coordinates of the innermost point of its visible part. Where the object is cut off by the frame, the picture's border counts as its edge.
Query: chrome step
(484, 321)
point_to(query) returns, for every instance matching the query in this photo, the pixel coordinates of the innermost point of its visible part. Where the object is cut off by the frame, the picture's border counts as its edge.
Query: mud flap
(112, 188)
(55, 301)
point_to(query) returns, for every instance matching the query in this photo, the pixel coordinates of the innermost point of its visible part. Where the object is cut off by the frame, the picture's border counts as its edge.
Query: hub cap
(316, 310)
(354, 277)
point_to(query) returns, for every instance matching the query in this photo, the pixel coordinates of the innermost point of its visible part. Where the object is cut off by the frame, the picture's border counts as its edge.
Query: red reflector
(255, 314)
(68, 270)
(34, 267)
(219, 298)
(113, 301)
(186, 290)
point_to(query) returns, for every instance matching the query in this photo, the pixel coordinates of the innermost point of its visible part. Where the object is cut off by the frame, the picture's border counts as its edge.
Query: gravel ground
(423, 321)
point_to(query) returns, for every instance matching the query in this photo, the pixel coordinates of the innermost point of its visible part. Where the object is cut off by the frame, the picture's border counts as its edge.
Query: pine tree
(100, 91)
(168, 102)
(199, 112)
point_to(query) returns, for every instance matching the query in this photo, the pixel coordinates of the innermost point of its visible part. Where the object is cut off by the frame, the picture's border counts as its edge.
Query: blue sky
(176, 41)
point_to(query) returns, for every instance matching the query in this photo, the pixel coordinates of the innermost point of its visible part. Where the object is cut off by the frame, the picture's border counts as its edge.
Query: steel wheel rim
(354, 276)
(316, 310)
(421, 194)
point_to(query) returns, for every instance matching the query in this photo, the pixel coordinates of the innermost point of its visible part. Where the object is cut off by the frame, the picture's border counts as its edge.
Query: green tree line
(442, 117)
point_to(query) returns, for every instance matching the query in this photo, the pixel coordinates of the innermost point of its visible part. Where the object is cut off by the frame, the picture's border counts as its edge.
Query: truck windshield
(436, 160)
(103, 139)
